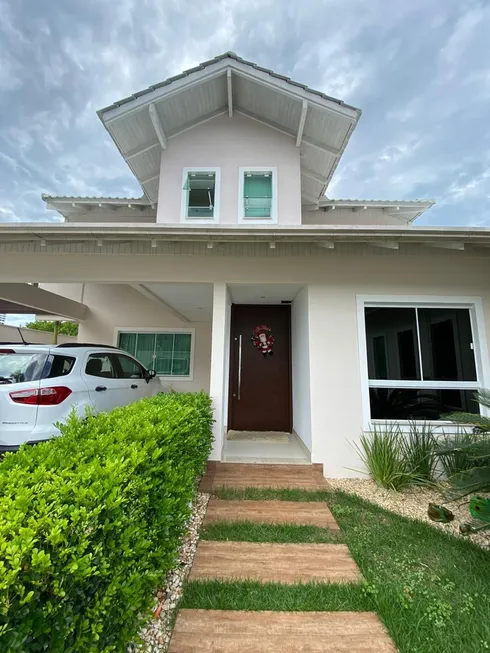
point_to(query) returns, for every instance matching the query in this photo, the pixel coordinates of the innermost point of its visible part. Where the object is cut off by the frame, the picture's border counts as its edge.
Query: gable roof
(318, 124)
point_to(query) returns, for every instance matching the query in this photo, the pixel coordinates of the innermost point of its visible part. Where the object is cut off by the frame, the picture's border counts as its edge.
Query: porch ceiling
(142, 124)
(264, 293)
(191, 302)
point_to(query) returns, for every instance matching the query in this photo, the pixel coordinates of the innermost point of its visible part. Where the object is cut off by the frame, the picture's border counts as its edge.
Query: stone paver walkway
(223, 631)
(275, 563)
(301, 513)
(227, 631)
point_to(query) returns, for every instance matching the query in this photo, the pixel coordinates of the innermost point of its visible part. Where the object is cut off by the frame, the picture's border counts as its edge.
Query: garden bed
(411, 502)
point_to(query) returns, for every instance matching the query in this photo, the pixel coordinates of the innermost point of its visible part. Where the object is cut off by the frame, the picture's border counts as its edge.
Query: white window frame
(480, 348)
(174, 378)
(242, 218)
(185, 196)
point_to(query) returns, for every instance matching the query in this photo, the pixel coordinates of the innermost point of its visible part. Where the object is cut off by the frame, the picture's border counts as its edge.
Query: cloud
(417, 69)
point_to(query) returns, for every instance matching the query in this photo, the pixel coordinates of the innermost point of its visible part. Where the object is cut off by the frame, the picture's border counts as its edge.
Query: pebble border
(157, 633)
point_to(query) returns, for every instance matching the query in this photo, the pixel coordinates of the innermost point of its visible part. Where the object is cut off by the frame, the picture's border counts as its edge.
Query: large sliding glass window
(168, 353)
(421, 362)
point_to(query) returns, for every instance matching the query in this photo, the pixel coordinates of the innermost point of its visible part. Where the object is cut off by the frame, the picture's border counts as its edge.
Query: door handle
(239, 365)
(134, 386)
(100, 388)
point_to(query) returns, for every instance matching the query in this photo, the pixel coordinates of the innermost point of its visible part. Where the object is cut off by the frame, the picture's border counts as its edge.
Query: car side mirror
(151, 374)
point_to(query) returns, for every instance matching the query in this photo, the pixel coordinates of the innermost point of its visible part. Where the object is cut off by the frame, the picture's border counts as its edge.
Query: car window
(21, 367)
(130, 369)
(58, 365)
(100, 365)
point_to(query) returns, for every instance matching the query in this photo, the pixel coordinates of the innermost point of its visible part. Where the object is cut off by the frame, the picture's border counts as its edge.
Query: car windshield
(21, 367)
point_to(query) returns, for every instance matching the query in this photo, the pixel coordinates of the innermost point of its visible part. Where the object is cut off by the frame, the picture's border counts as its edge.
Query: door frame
(233, 366)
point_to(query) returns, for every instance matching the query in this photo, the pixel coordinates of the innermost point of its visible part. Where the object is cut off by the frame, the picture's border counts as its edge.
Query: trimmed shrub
(90, 523)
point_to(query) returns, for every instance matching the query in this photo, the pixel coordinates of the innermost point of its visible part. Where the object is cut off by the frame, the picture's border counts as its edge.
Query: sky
(418, 69)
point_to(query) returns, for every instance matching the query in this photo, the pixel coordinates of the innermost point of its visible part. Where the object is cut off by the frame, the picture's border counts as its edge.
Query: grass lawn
(218, 595)
(431, 590)
(250, 532)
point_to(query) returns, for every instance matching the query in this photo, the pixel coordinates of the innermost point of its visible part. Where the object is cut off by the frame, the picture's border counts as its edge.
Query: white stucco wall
(229, 143)
(300, 340)
(334, 279)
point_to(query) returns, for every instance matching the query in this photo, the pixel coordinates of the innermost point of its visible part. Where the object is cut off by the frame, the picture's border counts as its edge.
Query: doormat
(274, 437)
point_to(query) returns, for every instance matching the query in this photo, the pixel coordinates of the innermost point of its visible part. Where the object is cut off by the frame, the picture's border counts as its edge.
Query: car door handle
(134, 386)
(100, 388)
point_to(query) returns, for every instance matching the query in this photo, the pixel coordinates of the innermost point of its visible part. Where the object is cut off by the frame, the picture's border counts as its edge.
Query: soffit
(192, 300)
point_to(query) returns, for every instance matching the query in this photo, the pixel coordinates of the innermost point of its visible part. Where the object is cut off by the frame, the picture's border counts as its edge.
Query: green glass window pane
(181, 366)
(145, 348)
(182, 343)
(200, 187)
(127, 341)
(164, 352)
(258, 186)
(257, 191)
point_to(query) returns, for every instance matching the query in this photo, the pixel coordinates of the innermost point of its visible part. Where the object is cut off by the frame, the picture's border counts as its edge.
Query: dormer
(229, 142)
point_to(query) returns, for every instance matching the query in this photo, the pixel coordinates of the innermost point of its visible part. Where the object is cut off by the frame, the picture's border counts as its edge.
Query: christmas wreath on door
(263, 339)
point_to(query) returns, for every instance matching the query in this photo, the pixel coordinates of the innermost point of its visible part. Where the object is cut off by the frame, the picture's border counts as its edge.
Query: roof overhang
(319, 125)
(405, 211)
(25, 298)
(74, 206)
(391, 237)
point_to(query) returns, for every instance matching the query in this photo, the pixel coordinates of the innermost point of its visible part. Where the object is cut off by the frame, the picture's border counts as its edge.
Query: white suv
(39, 385)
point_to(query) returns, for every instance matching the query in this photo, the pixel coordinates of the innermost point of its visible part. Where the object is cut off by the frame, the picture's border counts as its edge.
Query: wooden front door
(260, 384)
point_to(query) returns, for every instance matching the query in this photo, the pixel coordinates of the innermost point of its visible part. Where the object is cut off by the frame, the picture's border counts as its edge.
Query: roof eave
(233, 233)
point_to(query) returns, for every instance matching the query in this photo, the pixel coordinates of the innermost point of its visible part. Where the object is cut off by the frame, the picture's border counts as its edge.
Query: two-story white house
(234, 273)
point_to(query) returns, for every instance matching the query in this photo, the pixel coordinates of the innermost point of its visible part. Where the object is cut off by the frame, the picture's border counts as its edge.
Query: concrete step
(238, 475)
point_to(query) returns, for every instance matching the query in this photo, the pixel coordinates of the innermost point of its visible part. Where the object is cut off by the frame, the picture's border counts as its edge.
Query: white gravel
(411, 503)
(156, 634)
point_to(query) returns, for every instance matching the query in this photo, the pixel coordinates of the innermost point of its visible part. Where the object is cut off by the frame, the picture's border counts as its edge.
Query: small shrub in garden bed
(90, 522)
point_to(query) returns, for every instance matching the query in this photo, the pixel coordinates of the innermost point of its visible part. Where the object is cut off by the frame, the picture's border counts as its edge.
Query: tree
(66, 328)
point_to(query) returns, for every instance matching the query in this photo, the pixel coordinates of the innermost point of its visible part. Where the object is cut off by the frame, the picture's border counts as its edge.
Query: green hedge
(90, 523)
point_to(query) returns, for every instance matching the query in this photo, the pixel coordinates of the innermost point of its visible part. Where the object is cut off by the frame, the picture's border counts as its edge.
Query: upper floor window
(258, 194)
(201, 194)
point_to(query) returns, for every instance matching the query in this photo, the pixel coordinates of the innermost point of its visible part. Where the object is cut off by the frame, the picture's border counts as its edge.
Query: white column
(220, 343)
